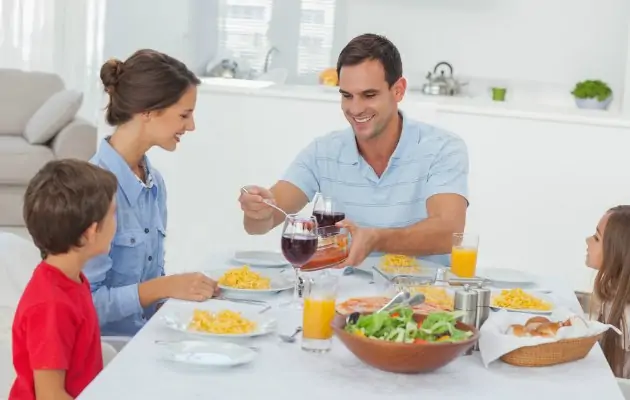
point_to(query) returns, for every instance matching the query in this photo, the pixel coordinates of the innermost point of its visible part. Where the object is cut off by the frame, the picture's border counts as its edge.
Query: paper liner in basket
(494, 341)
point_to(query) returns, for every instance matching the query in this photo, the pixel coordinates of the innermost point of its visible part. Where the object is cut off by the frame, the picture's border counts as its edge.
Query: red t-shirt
(55, 328)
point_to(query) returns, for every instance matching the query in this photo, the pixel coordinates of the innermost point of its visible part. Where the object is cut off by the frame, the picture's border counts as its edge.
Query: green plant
(592, 89)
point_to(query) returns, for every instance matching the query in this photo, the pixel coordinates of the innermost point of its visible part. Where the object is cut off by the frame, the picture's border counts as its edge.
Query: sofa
(38, 123)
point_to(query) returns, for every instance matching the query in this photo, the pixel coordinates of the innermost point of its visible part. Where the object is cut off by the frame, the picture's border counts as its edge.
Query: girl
(608, 251)
(151, 101)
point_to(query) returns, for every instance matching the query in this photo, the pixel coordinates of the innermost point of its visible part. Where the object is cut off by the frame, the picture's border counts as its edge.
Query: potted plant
(592, 94)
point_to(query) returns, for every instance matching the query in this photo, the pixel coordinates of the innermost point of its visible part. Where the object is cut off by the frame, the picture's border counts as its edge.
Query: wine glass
(299, 244)
(327, 211)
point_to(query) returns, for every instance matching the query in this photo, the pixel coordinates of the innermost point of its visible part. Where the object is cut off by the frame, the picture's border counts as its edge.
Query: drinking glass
(320, 294)
(299, 243)
(464, 254)
(327, 210)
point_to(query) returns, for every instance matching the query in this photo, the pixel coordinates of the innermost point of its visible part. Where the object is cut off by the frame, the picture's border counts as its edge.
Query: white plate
(179, 321)
(207, 353)
(280, 281)
(537, 294)
(260, 258)
(505, 275)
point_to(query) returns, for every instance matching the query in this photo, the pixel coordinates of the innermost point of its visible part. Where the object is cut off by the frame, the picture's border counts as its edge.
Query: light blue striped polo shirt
(426, 161)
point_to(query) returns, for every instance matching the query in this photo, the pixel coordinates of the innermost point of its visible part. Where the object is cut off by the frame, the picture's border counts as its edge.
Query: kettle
(442, 84)
(225, 69)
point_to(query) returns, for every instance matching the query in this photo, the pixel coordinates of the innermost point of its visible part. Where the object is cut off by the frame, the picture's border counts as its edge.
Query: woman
(151, 102)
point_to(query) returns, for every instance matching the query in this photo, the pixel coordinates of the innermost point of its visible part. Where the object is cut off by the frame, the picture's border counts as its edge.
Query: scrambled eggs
(517, 299)
(244, 278)
(223, 322)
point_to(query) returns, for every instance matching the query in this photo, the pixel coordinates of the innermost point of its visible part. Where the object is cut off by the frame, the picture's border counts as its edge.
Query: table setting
(291, 324)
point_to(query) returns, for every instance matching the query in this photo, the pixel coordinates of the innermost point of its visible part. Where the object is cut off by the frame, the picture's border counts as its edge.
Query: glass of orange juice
(320, 294)
(464, 254)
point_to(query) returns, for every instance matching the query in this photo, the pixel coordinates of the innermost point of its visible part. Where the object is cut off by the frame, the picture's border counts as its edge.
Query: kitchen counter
(459, 105)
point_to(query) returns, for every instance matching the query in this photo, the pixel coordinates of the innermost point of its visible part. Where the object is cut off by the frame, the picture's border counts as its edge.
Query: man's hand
(254, 204)
(362, 243)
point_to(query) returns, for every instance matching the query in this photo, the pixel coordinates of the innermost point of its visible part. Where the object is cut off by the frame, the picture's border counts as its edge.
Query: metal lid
(466, 299)
(483, 296)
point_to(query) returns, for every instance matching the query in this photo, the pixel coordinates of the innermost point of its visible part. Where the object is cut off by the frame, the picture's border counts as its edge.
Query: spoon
(416, 299)
(269, 203)
(290, 338)
(401, 297)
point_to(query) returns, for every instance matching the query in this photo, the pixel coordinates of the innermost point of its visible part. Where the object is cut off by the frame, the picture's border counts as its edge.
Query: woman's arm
(114, 304)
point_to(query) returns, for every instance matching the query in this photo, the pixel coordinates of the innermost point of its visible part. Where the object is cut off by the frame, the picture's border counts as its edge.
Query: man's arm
(447, 190)
(434, 235)
(292, 193)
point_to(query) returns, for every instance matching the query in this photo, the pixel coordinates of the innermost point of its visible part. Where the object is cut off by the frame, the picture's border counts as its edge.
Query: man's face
(367, 101)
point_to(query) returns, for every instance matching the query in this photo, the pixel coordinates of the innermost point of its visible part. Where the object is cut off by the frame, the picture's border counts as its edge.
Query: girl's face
(595, 245)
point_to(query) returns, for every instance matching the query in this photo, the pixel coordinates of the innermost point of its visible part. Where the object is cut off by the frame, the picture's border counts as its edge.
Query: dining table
(283, 371)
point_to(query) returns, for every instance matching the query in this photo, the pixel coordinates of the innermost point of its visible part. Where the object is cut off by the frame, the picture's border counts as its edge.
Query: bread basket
(546, 354)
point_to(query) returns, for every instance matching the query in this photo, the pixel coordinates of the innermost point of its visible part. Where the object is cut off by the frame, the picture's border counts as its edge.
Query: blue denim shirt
(137, 251)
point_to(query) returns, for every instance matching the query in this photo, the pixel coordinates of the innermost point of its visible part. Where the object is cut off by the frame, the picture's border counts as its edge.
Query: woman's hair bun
(110, 73)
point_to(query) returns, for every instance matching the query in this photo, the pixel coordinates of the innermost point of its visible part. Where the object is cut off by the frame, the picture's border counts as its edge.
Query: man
(403, 183)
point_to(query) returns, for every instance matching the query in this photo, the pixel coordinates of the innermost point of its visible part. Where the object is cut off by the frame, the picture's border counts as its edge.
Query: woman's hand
(192, 286)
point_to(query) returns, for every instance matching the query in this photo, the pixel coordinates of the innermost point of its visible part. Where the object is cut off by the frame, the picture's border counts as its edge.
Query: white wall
(559, 41)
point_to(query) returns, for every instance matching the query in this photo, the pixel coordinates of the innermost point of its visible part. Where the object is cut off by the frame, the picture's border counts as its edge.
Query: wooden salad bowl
(405, 358)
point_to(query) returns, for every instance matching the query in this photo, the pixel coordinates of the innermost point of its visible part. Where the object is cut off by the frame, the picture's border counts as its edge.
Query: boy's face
(100, 235)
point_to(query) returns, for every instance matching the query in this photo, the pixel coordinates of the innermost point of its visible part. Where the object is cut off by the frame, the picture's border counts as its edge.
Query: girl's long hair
(612, 285)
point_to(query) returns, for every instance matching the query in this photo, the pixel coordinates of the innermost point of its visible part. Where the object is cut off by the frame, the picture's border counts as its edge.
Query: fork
(264, 304)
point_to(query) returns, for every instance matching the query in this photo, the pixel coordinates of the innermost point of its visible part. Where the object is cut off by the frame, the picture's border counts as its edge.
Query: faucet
(271, 50)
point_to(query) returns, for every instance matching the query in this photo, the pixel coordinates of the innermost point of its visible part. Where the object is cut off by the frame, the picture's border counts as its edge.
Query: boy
(69, 210)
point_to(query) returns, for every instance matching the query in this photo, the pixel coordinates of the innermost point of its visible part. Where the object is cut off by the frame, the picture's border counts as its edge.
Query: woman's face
(167, 126)
(595, 245)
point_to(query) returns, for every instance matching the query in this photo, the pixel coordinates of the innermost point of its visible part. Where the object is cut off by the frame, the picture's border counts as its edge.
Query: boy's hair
(612, 284)
(62, 200)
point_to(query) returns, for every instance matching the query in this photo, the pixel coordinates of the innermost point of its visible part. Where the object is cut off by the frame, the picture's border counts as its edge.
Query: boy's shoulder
(42, 290)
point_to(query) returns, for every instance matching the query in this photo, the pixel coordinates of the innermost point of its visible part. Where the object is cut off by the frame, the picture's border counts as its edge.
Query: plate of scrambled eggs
(251, 281)
(519, 300)
(220, 322)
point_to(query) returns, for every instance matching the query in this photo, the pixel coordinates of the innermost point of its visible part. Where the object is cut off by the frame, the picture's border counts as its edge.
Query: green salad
(398, 325)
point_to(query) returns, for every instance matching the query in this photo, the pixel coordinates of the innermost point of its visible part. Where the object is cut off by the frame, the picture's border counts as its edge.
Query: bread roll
(534, 322)
(547, 329)
(518, 330)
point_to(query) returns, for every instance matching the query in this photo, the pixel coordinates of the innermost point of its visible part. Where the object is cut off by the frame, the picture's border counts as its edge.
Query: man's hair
(370, 46)
(63, 200)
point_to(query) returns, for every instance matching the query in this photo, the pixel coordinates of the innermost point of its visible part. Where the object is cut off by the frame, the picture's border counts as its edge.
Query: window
(302, 31)
(317, 27)
(242, 29)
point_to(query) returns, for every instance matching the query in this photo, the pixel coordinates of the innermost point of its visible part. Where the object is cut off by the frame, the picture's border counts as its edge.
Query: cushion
(20, 161)
(53, 115)
(22, 94)
(7, 373)
(18, 259)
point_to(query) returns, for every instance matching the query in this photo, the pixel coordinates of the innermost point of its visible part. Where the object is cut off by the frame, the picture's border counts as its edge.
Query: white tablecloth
(283, 371)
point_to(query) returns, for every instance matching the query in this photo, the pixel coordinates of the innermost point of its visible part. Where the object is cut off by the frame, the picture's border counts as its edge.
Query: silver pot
(441, 84)
(225, 69)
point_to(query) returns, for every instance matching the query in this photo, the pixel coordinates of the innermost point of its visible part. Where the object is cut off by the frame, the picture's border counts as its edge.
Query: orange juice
(318, 315)
(464, 261)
